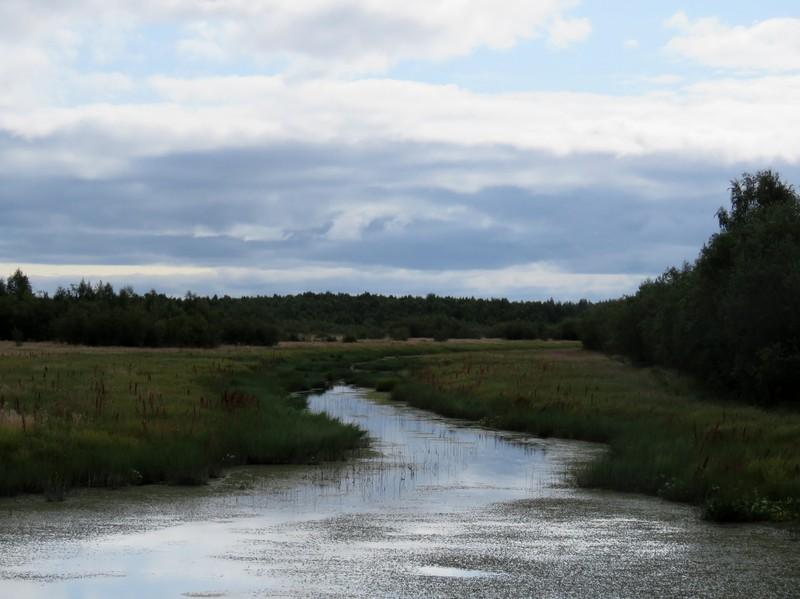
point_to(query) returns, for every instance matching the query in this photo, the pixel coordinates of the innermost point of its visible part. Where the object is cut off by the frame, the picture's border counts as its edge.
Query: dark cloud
(275, 206)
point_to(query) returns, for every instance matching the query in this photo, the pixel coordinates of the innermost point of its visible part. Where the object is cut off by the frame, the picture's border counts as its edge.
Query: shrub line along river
(435, 507)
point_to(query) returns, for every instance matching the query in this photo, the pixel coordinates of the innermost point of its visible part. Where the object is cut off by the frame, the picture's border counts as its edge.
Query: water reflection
(432, 462)
(435, 508)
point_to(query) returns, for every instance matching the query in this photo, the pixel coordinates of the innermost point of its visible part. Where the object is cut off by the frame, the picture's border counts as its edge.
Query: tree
(19, 286)
(753, 194)
(730, 318)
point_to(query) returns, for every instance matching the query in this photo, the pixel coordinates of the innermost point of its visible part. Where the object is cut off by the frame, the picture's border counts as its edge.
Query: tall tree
(19, 286)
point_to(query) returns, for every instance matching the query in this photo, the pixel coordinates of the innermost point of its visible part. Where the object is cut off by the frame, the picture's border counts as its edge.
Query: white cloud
(729, 121)
(350, 220)
(772, 45)
(631, 44)
(194, 163)
(565, 32)
(313, 35)
(369, 35)
(244, 232)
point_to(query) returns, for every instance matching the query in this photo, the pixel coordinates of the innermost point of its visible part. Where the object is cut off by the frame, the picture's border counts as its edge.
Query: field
(112, 417)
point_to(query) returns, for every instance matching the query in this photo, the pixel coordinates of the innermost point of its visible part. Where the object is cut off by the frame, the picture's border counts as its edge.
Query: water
(436, 508)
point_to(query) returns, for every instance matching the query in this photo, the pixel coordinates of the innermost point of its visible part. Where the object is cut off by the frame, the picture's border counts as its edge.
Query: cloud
(243, 232)
(287, 207)
(114, 164)
(352, 36)
(368, 35)
(631, 44)
(393, 215)
(382, 177)
(732, 120)
(566, 32)
(348, 223)
(772, 45)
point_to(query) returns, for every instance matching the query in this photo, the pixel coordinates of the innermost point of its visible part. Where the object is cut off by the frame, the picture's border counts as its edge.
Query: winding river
(435, 508)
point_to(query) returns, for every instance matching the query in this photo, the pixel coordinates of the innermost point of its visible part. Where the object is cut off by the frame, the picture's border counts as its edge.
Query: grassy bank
(83, 417)
(88, 417)
(112, 417)
(666, 438)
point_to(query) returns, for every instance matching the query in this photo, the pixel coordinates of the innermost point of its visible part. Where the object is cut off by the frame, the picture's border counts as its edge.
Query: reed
(667, 437)
(91, 417)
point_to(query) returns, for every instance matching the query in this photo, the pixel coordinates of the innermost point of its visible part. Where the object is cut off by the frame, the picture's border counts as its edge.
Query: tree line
(731, 318)
(97, 314)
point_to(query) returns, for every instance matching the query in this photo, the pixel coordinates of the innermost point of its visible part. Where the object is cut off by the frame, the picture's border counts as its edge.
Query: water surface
(436, 507)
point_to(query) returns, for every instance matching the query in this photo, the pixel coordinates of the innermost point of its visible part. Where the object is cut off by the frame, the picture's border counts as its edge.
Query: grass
(113, 417)
(667, 438)
(116, 417)
(88, 417)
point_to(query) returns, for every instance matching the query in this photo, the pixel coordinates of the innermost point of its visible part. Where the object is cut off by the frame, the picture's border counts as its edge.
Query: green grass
(666, 437)
(88, 417)
(73, 417)
(112, 417)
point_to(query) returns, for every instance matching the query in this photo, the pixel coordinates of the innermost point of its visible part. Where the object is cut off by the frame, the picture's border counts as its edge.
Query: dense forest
(731, 318)
(97, 314)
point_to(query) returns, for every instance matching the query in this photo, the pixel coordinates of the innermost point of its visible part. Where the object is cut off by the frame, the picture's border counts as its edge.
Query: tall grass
(113, 417)
(88, 417)
(666, 437)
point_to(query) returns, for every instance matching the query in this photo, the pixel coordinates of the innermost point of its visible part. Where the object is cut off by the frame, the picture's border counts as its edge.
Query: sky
(524, 149)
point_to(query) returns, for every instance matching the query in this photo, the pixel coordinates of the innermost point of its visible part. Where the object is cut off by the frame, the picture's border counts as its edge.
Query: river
(435, 508)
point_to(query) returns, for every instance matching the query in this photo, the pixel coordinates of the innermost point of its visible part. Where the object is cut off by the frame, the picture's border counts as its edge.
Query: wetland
(433, 506)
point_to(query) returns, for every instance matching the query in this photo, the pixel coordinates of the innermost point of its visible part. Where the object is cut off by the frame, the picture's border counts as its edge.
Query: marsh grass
(90, 417)
(667, 437)
(113, 418)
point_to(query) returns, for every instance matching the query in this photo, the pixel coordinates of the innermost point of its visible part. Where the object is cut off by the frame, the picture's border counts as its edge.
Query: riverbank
(73, 416)
(666, 437)
(439, 509)
(77, 417)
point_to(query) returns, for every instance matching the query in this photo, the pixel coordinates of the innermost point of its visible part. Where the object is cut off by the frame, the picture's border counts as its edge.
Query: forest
(99, 315)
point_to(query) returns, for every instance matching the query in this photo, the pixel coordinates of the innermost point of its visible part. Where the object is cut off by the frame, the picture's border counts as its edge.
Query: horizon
(556, 149)
(189, 292)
